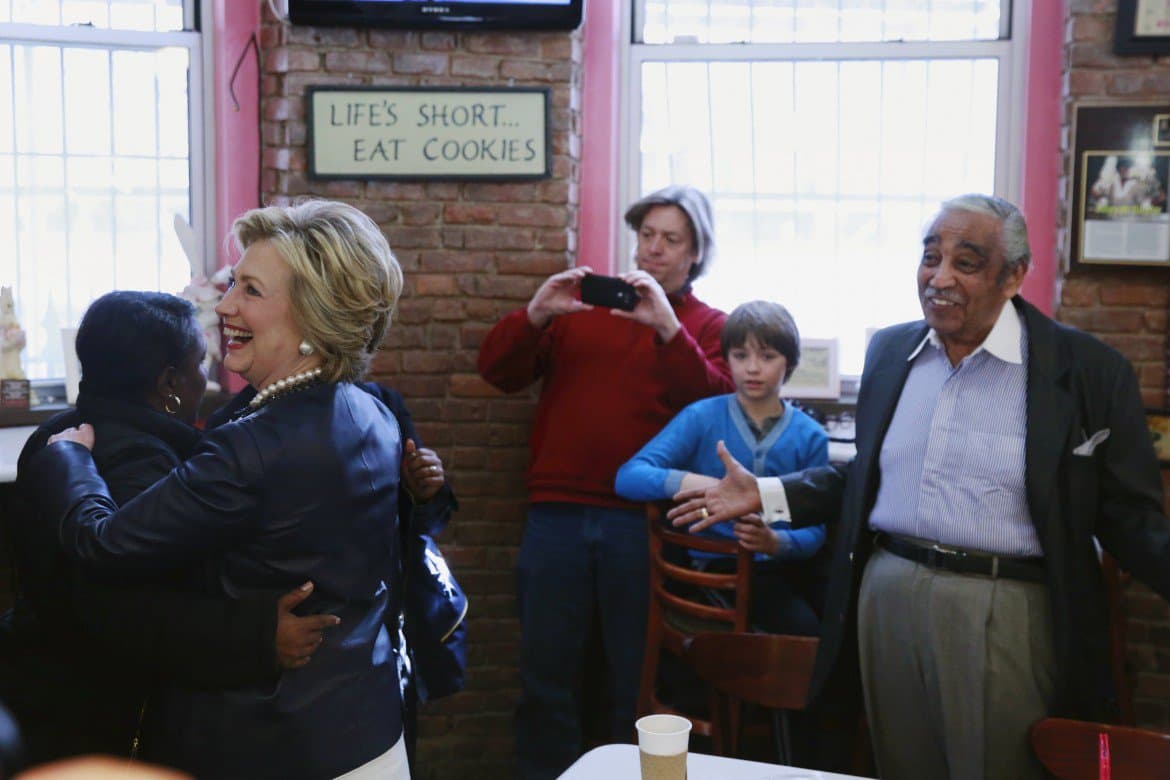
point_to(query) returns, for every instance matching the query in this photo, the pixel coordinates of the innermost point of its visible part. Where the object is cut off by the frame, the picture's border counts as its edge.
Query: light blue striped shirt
(952, 462)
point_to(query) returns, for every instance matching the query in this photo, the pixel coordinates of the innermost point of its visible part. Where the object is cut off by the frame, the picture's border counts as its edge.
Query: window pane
(143, 15)
(822, 175)
(88, 185)
(818, 21)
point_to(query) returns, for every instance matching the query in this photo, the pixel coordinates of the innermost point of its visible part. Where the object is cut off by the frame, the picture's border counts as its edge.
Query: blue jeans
(575, 560)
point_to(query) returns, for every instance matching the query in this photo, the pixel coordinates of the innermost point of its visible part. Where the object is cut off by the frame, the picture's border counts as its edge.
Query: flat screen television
(449, 14)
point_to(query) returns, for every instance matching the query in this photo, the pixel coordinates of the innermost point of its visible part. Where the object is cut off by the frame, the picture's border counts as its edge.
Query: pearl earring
(305, 348)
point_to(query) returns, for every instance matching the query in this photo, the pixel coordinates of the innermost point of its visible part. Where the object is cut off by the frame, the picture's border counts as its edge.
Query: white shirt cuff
(774, 500)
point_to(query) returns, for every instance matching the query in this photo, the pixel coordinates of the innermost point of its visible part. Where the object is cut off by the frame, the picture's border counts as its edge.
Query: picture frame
(1158, 421)
(1121, 174)
(428, 133)
(818, 375)
(1161, 130)
(1143, 27)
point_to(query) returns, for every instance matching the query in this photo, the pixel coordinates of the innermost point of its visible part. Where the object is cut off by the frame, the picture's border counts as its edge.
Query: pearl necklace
(282, 386)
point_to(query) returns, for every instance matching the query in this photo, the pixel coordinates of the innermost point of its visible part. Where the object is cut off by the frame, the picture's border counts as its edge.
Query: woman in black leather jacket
(79, 654)
(302, 486)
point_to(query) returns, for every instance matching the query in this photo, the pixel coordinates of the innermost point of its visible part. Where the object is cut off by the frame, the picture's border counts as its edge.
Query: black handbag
(433, 618)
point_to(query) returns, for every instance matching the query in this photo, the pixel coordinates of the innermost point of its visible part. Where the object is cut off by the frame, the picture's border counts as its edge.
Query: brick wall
(1125, 307)
(470, 252)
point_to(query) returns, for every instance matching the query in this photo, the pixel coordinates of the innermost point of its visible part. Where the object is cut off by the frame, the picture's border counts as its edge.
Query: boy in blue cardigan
(769, 437)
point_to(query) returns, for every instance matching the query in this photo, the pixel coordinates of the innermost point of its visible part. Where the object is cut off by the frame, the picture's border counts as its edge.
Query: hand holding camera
(609, 291)
(557, 296)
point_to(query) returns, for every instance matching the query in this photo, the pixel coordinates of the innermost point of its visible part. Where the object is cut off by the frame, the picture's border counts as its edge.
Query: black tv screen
(451, 14)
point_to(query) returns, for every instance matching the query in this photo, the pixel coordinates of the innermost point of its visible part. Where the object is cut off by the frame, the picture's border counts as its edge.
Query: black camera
(609, 291)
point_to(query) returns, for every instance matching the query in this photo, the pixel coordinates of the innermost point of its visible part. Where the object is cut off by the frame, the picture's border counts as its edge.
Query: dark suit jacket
(1076, 387)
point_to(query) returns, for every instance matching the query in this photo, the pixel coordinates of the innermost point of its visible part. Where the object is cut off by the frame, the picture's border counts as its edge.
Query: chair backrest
(772, 670)
(1071, 750)
(679, 608)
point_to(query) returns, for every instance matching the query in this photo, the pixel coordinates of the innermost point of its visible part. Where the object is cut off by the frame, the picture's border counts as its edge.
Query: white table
(620, 762)
(11, 443)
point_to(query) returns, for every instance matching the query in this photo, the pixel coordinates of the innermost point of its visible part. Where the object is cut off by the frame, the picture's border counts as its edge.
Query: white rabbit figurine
(11, 337)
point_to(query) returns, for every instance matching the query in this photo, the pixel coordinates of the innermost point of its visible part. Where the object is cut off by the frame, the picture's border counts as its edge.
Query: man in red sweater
(612, 380)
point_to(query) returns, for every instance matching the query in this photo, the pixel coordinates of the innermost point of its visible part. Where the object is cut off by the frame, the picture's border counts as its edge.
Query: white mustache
(933, 293)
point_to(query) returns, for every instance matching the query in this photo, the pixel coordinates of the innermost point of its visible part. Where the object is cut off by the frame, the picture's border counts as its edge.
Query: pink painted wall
(598, 219)
(1042, 150)
(237, 129)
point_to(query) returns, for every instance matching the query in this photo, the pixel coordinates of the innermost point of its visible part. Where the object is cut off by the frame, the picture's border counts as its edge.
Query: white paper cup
(662, 746)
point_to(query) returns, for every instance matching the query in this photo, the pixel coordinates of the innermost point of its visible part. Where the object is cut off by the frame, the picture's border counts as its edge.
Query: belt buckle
(941, 557)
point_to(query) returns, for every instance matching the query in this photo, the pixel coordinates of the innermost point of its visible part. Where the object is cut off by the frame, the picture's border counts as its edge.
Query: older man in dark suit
(995, 449)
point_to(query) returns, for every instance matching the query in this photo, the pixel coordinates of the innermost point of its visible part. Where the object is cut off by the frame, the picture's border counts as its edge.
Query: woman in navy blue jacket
(302, 485)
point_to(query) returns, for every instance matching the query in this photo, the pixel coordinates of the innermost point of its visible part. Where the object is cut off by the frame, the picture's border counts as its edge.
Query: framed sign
(424, 133)
(1143, 27)
(1121, 165)
(818, 375)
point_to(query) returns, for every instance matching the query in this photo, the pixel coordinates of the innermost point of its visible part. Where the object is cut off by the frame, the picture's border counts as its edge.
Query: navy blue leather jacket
(306, 488)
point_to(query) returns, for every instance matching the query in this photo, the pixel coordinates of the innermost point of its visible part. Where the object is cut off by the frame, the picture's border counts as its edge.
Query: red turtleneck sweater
(609, 385)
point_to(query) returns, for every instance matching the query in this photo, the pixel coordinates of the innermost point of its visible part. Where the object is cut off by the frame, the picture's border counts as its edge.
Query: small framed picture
(1158, 421)
(1161, 129)
(1143, 27)
(818, 375)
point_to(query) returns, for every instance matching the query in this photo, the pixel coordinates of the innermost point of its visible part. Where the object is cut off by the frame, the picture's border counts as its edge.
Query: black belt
(960, 562)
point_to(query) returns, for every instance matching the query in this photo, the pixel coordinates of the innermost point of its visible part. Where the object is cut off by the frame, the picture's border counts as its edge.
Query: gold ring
(703, 512)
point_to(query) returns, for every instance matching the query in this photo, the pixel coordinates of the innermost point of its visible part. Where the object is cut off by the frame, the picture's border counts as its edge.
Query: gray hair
(698, 210)
(1016, 251)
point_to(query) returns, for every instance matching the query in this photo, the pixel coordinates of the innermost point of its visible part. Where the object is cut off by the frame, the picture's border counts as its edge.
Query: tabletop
(620, 762)
(11, 443)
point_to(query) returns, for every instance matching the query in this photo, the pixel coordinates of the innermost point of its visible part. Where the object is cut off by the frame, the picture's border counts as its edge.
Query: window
(100, 142)
(826, 133)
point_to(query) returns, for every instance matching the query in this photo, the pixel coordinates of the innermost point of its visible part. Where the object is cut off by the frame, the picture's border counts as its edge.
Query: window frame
(1010, 50)
(196, 38)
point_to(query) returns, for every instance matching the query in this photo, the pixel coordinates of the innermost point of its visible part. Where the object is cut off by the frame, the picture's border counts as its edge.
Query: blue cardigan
(687, 444)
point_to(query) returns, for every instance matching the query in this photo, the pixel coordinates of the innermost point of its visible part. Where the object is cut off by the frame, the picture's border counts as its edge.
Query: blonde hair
(345, 280)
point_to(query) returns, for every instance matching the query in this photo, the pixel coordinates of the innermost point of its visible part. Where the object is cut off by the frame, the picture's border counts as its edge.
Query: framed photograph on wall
(1161, 129)
(1143, 27)
(1158, 421)
(1120, 214)
(818, 375)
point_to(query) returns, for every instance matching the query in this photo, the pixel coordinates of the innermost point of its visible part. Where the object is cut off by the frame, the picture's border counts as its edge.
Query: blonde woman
(301, 485)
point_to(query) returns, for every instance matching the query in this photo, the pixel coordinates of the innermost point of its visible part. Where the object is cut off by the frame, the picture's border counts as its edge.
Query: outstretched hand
(82, 434)
(733, 496)
(297, 638)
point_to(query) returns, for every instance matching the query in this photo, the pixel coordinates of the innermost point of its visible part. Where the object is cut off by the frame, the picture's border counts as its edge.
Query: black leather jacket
(78, 654)
(306, 488)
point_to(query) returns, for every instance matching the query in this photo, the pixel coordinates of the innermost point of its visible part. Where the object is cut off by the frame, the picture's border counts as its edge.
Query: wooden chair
(771, 670)
(1072, 750)
(679, 608)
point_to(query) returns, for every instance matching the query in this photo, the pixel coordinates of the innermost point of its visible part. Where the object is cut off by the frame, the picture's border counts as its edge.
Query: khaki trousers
(955, 669)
